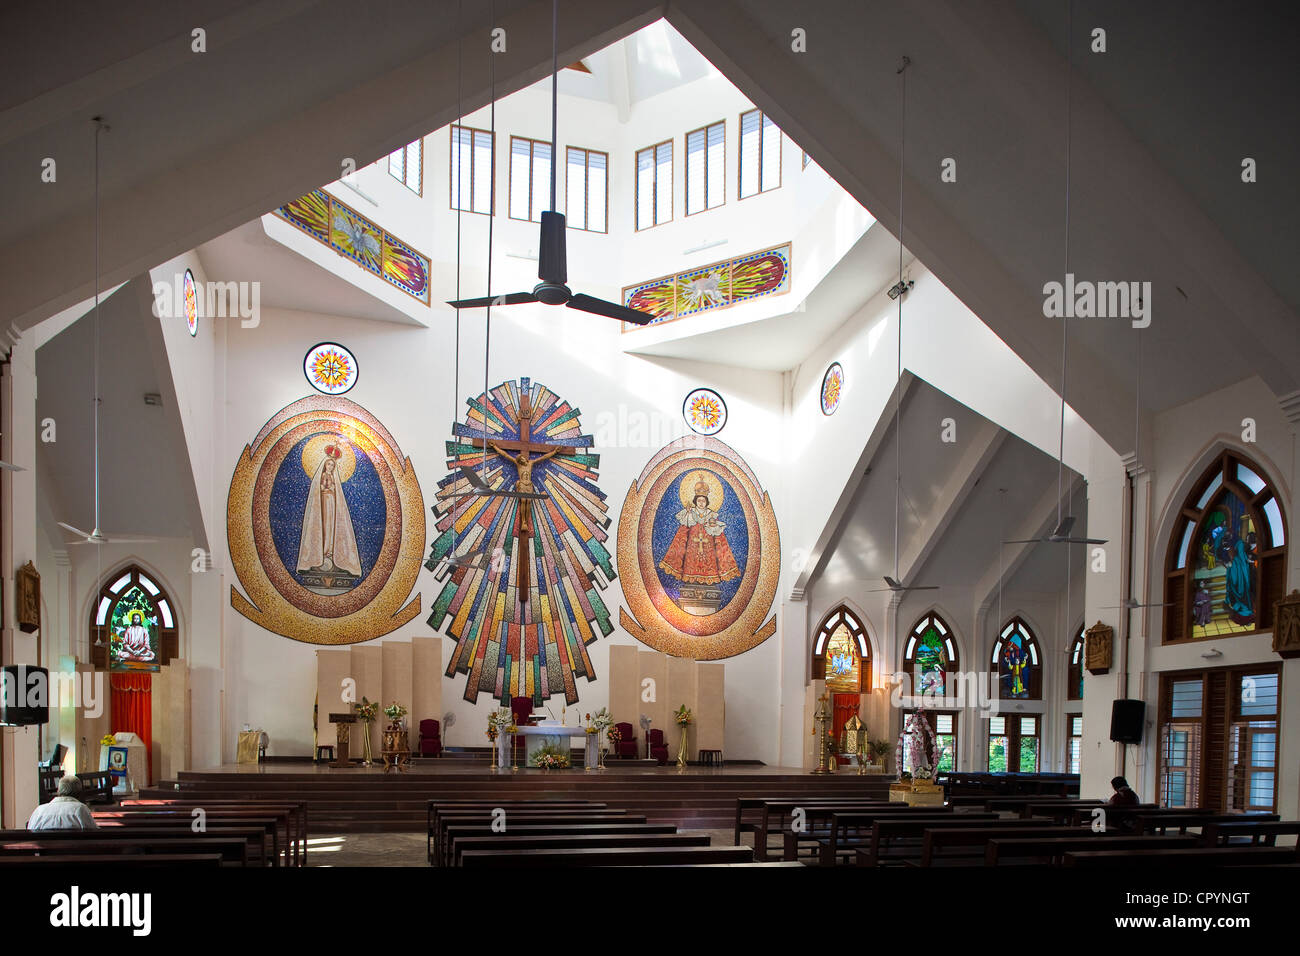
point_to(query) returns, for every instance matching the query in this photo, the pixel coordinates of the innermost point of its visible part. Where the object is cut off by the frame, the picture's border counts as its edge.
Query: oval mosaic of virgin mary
(698, 553)
(325, 522)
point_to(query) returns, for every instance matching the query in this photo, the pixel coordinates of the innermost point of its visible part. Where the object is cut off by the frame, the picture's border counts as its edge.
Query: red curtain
(132, 710)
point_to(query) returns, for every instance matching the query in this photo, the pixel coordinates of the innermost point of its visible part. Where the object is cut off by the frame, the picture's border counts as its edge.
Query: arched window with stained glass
(1074, 690)
(132, 625)
(842, 653)
(1226, 563)
(930, 657)
(1018, 662)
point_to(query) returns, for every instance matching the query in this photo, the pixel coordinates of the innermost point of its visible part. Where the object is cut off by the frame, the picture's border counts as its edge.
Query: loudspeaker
(24, 697)
(1126, 720)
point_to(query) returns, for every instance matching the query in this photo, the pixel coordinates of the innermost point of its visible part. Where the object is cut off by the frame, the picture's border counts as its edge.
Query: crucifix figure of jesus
(525, 454)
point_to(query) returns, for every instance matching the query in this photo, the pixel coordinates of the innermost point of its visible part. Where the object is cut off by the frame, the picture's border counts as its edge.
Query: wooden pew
(436, 806)
(774, 811)
(1258, 832)
(1059, 810)
(182, 822)
(1162, 821)
(294, 815)
(609, 856)
(820, 818)
(524, 818)
(974, 839)
(886, 829)
(577, 840)
(115, 860)
(749, 810)
(1182, 858)
(96, 787)
(1000, 852)
(456, 833)
(232, 851)
(254, 837)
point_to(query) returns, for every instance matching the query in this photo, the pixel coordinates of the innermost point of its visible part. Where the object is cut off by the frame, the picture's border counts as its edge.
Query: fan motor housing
(552, 293)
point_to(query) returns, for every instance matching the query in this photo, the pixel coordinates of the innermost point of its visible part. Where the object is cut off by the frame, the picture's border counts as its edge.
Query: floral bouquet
(395, 712)
(602, 720)
(366, 710)
(683, 716)
(107, 740)
(498, 719)
(551, 757)
(613, 735)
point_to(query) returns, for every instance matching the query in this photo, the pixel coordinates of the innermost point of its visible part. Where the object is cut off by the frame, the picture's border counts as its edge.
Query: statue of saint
(699, 552)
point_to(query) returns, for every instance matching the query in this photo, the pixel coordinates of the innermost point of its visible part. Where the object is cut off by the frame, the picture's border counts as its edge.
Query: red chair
(658, 746)
(522, 709)
(430, 738)
(626, 747)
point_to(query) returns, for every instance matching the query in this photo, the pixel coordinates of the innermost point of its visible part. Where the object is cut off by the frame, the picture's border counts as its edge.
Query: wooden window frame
(1036, 675)
(654, 200)
(1074, 666)
(1178, 584)
(1202, 761)
(492, 171)
(913, 638)
(1013, 740)
(1071, 736)
(842, 614)
(406, 167)
(740, 155)
(686, 167)
(586, 167)
(510, 185)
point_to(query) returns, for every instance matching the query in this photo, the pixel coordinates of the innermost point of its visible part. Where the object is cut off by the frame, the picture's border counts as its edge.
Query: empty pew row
(550, 834)
(287, 829)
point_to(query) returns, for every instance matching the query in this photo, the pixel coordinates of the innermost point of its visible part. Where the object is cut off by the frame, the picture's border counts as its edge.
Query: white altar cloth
(545, 729)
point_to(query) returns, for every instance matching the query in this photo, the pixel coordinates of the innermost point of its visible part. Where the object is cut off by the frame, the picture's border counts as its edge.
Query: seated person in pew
(65, 811)
(1123, 795)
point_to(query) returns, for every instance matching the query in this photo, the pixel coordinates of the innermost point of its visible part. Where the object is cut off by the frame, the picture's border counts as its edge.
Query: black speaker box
(1126, 720)
(25, 695)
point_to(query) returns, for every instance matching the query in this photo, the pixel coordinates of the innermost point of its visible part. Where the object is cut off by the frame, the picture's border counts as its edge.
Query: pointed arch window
(842, 653)
(1227, 555)
(1018, 662)
(1074, 690)
(132, 624)
(930, 657)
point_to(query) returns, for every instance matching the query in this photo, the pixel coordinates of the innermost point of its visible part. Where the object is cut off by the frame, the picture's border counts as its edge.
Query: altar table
(557, 730)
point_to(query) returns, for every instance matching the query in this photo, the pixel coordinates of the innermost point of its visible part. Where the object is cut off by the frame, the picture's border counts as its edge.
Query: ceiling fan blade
(552, 257)
(482, 302)
(8, 467)
(475, 479)
(1063, 529)
(1076, 540)
(77, 531)
(611, 310)
(1028, 541)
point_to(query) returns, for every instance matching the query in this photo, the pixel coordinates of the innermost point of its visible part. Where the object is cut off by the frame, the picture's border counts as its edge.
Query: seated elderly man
(64, 812)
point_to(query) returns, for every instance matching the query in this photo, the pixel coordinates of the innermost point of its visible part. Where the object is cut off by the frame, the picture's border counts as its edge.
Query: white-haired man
(64, 812)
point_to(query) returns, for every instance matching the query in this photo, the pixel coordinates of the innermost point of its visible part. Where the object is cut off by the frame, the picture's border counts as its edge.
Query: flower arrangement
(367, 710)
(107, 740)
(916, 731)
(551, 757)
(878, 749)
(602, 720)
(498, 719)
(613, 735)
(683, 716)
(395, 712)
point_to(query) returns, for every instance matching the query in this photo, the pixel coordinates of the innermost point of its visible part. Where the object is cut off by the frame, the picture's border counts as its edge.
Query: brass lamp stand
(824, 756)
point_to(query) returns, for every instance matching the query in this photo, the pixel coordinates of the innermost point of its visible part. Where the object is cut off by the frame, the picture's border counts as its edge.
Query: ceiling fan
(1132, 604)
(552, 259)
(1060, 535)
(891, 582)
(96, 536)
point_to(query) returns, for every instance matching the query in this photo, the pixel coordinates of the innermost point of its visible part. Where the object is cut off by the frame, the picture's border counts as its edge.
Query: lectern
(342, 727)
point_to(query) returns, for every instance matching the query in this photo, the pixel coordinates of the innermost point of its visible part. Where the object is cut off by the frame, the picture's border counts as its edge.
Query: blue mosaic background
(363, 492)
(666, 525)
